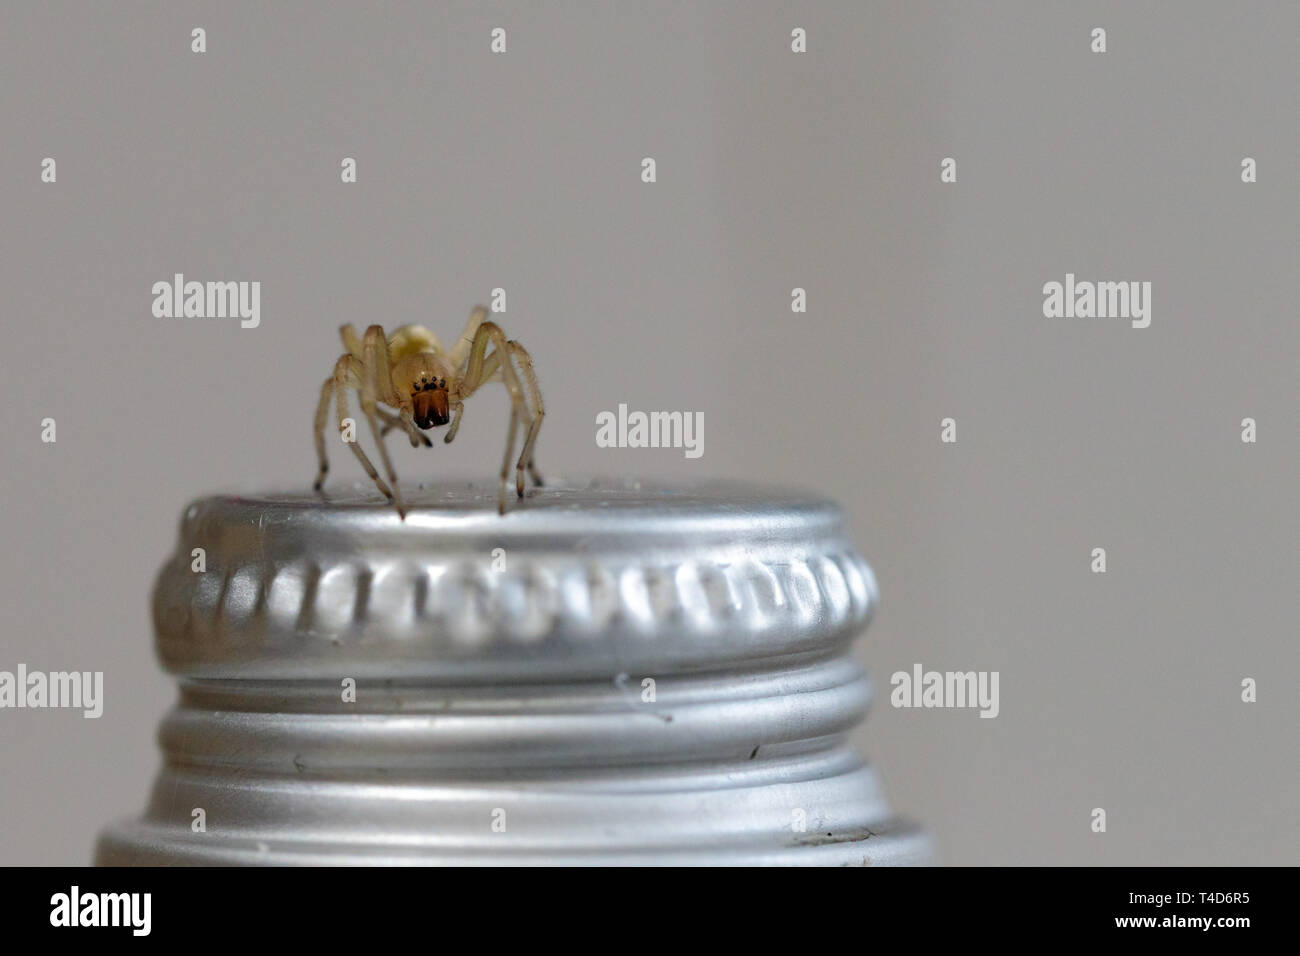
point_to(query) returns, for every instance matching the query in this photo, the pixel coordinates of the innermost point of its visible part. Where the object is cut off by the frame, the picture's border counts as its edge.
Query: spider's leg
(520, 355)
(411, 430)
(497, 367)
(457, 410)
(376, 386)
(505, 462)
(344, 372)
(351, 341)
(322, 413)
(491, 373)
(526, 417)
(473, 377)
(461, 350)
(392, 421)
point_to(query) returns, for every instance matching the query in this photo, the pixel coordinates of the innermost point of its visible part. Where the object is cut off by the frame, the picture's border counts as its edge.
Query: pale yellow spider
(411, 372)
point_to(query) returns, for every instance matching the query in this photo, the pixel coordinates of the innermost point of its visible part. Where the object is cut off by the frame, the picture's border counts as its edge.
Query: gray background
(775, 170)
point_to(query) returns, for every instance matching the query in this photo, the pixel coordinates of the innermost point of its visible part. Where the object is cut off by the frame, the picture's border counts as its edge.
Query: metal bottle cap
(610, 673)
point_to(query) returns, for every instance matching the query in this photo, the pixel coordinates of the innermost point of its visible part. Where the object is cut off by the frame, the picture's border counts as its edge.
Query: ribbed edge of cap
(577, 580)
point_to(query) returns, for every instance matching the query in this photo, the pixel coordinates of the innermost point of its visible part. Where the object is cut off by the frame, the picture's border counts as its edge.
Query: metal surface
(638, 675)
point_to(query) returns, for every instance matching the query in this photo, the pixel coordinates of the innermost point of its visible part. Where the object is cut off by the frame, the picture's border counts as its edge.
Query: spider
(427, 385)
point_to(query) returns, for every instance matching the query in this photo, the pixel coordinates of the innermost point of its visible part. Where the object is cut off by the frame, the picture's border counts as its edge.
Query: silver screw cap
(610, 673)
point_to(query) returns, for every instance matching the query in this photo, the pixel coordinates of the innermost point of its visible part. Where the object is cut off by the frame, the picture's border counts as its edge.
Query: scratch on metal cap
(611, 673)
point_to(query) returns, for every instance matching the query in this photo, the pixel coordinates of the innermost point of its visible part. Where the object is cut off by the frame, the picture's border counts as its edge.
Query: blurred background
(775, 170)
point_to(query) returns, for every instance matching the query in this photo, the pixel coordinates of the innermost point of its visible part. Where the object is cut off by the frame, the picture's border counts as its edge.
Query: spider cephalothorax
(411, 372)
